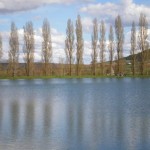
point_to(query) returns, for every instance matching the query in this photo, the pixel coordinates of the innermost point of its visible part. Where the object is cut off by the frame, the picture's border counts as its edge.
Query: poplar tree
(133, 48)
(46, 47)
(14, 49)
(69, 44)
(119, 43)
(79, 45)
(1, 50)
(1, 47)
(102, 42)
(111, 49)
(142, 41)
(94, 53)
(29, 48)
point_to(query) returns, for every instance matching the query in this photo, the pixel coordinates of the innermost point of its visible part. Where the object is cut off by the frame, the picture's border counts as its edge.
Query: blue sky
(58, 12)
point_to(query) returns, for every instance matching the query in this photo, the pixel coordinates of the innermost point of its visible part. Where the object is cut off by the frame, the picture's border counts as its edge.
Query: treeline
(74, 45)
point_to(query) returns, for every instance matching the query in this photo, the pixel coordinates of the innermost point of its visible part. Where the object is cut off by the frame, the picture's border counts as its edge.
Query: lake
(75, 114)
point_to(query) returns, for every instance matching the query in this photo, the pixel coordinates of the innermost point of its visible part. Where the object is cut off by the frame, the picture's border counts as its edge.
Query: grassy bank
(70, 77)
(53, 77)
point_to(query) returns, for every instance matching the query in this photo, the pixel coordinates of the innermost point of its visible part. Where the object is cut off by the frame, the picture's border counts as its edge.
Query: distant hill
(138, 56)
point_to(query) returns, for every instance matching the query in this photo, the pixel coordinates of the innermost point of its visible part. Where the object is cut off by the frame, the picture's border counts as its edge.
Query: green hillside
(138, 56)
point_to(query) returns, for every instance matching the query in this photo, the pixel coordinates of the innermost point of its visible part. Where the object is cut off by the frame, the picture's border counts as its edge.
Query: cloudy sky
(58, 12)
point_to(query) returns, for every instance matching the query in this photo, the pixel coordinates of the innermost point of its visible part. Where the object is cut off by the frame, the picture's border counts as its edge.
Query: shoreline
(71, 77)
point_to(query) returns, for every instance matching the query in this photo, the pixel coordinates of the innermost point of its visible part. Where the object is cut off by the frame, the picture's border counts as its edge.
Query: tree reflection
(71, 118)
(29, 118)
(47, 118)
(14, 117)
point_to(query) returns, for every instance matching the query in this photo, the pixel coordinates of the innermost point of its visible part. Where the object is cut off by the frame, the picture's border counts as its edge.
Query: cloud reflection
(72, 119)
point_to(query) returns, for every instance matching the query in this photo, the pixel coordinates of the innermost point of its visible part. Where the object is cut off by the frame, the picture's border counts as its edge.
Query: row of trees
(28, 48)
(69, 45)
(114, 47)
(139, 43)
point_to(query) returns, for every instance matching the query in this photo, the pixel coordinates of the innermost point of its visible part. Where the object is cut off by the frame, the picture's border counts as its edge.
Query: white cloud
(87, 24)
(128, 10)
(58, 40)
(127, 43)
(57, 44)
(22, 5)
(87, 52)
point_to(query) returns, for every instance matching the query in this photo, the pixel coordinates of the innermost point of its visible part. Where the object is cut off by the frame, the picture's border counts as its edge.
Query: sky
(58, 12)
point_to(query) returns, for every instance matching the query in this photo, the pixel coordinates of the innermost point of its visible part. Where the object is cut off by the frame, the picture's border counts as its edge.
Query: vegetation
(69, 44)
(94, 53)
(119, 42)
(14, 50)
(29, 48)
(137, 64)
(46, 47)
(133, 48)
(79, 46)
(102, 42)
(111, 47)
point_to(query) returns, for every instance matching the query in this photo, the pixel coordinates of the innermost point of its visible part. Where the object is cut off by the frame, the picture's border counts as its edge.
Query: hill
(138, 56)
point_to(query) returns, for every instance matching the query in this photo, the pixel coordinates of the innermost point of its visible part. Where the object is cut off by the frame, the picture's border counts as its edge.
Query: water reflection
(75, 115)
(14, 116)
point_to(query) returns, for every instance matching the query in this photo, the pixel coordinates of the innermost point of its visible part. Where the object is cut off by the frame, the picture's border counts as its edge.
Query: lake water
(75, 114)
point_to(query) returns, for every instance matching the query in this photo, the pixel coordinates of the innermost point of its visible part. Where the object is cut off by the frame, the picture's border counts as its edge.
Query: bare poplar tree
(94, 46)
(102, 42)
(61, 66)
(1, 50)
(14, 49)
(1, 47)
(111, 48)
(133, 48)
(69, 44)
(29, 47)
(142, 41)
(119, 43)
(46, 46)
(79, 45)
